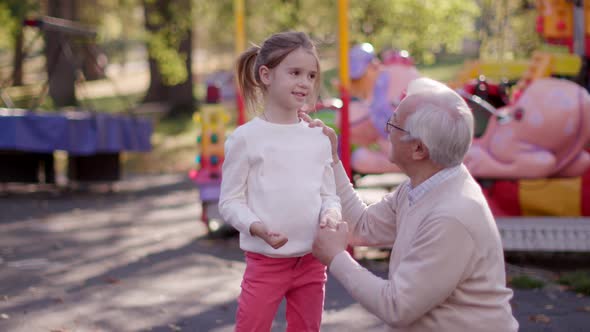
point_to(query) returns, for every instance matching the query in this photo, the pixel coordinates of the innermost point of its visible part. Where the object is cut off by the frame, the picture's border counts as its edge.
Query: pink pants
(301, 280)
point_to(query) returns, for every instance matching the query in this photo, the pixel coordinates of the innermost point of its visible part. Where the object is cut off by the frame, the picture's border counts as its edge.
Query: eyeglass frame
(389, 124)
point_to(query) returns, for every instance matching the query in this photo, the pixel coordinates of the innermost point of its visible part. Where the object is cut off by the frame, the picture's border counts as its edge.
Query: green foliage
(215, 24)
(171, 26)
(7, 27)
(507, 29)
(421, 27)
(12, 13)
(579, 281)
(526, 282)
(170, 62)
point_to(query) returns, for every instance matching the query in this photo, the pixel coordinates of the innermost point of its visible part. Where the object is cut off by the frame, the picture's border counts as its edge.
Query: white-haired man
(446, 271)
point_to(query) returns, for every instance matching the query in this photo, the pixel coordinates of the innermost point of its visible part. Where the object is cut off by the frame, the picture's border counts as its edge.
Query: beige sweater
(446, 271)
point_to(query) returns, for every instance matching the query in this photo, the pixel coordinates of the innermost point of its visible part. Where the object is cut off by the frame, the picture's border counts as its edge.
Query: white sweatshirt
(281, 175)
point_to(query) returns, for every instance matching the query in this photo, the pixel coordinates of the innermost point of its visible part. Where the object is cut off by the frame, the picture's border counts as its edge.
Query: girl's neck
(276, 114)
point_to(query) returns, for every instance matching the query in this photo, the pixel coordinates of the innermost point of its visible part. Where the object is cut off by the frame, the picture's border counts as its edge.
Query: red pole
(241, 108)
(345, 131)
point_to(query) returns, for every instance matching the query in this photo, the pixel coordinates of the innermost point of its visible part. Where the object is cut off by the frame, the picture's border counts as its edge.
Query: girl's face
(290, 85)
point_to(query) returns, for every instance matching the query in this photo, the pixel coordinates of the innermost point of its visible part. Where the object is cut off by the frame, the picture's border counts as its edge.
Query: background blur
(156, 55)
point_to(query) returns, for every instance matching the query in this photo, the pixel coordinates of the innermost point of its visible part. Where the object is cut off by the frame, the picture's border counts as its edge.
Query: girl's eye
(295, 73)
(312, 76)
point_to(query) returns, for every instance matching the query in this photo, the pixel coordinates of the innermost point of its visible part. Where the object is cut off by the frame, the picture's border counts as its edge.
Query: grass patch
(526, 282)
(442, 72)
(111, 104)
(176, 125)
(445, 68)
(578, 281)
(174, 147)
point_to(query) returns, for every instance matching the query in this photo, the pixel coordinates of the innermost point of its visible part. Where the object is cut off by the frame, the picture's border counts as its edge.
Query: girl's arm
(331, 212)
(232, 200)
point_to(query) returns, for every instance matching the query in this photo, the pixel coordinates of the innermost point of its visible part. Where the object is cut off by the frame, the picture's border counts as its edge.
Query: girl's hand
(330, 218)
(325, 129)
(274, 239)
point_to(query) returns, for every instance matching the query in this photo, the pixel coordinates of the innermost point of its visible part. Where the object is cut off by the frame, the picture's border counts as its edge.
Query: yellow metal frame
(541, 64)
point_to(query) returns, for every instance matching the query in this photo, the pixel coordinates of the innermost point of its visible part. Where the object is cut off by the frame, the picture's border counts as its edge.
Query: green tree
(420, 26)
(12, 14)
(507, 29)
(59, 54)
(169, 39)
(423, 27)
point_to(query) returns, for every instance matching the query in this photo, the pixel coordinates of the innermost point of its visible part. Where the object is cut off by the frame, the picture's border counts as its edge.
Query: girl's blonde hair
(272, 52)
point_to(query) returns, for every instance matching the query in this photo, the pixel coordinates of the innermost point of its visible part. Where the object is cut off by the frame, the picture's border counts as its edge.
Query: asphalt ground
(135, 257)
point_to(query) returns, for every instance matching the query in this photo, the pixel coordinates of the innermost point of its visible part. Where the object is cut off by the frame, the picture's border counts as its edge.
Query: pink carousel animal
(543, 134)
(376, 88)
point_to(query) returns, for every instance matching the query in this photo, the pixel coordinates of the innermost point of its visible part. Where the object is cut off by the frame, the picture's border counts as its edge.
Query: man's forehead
(395, 118)
(404, 107)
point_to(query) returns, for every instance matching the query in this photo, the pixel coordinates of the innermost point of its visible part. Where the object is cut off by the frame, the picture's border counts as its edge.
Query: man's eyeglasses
(390, 125)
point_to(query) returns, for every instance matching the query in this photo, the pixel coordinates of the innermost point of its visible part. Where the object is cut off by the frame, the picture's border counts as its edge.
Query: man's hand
(325, 129)
(330, 218)
(274, 239)
(330, 242)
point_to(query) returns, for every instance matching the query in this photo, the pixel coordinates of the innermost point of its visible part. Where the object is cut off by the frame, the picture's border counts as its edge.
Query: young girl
(278, 184)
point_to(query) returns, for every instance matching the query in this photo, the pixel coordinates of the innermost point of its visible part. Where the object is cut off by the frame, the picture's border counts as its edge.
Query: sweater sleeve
(442, 249)
(373, 225)
(233, 205)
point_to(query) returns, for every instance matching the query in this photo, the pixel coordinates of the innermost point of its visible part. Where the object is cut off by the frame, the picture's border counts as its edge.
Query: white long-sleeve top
(279, 174)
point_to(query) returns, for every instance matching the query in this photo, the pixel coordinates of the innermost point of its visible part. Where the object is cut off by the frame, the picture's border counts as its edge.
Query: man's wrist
(334, 257)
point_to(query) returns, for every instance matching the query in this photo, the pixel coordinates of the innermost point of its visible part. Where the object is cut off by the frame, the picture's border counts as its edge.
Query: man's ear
(264, 73)
(420, 151)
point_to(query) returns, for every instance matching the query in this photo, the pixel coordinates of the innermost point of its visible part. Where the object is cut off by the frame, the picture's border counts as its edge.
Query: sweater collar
(415, 194)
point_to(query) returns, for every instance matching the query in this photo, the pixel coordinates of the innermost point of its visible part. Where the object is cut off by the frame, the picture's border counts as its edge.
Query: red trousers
(267, 280)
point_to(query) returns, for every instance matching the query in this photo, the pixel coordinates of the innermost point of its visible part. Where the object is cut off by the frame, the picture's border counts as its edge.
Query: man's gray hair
(441, 120)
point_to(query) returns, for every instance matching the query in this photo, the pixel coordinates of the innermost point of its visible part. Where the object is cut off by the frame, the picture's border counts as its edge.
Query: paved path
(137, 260)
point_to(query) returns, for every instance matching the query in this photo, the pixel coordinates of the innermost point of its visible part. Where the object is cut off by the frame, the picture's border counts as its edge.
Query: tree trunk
(17, 63)
(60, 57)
(179, 96)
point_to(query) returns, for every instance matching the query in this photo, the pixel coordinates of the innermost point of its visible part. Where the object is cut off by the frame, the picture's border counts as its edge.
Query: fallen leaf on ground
(563, 288)
(4, 316)
(540, 318)
(586, 308)
(112, 280)
(549, 306)
(174, 327)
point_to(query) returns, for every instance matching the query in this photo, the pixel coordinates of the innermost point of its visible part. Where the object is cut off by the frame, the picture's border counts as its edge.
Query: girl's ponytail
(246, 77)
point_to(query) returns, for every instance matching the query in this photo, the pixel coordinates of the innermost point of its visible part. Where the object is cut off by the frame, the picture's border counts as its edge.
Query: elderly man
(446, 271)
